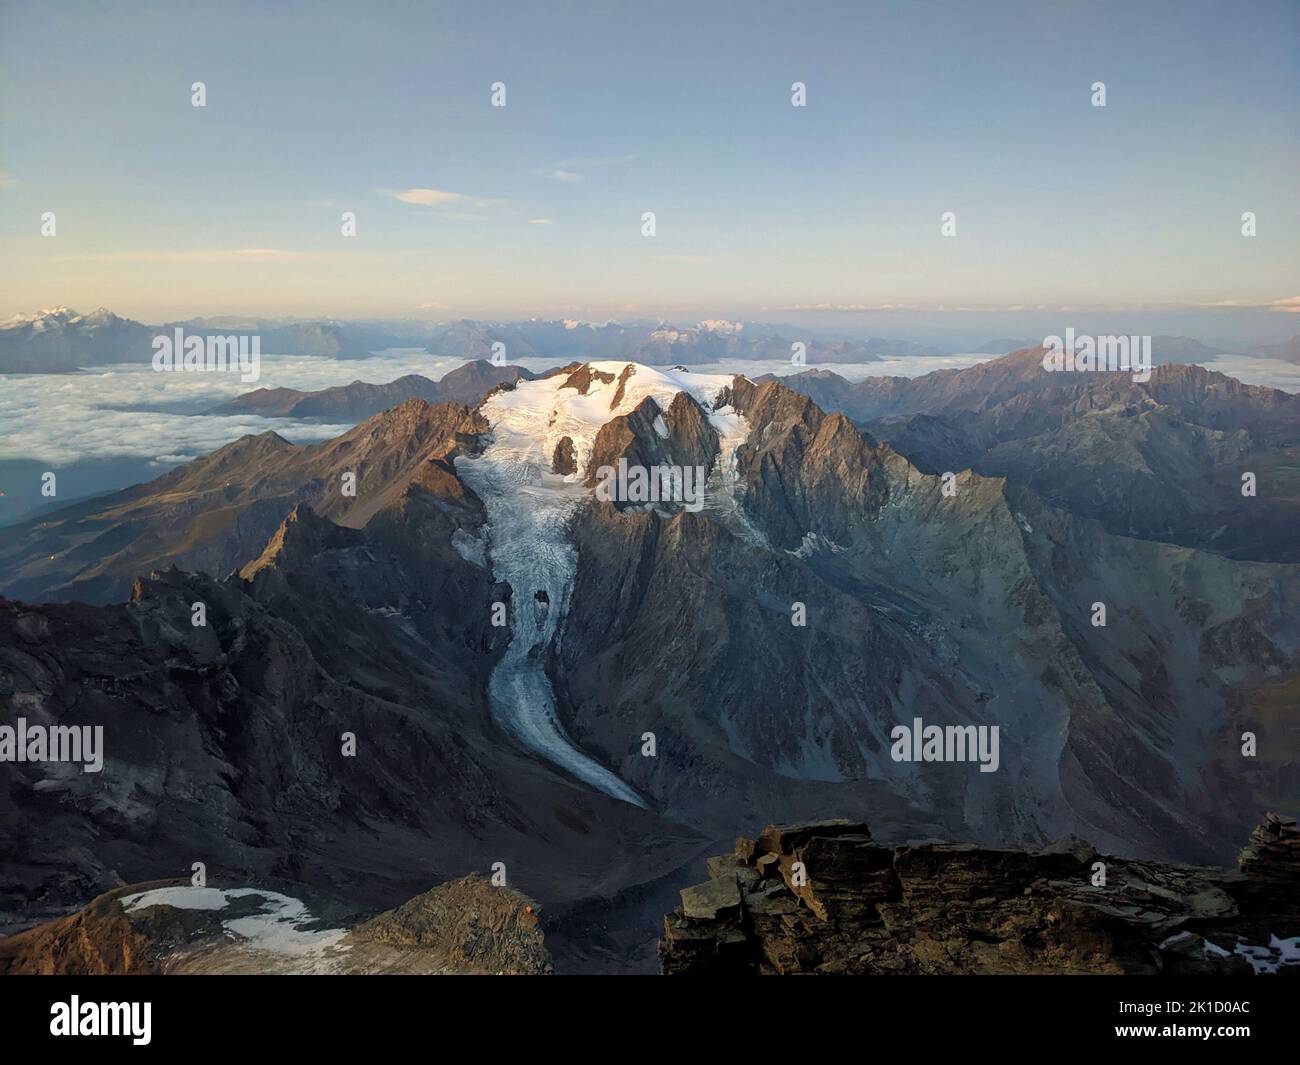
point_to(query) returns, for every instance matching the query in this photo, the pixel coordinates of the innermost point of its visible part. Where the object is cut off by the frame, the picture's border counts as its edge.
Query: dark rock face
(649, 645)
(565, 459)
(580, 379)
(468, 384)
(826, 899)
(1273, 850)
(623, 377)
(690, 440)
(805, 470)
(650, 436)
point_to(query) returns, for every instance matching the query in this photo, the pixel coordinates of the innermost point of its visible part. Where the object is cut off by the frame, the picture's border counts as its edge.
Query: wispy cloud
(1290, 305)
(439, 198)
(570, 171)
(7, 180)
(540, 222)
(429, 197)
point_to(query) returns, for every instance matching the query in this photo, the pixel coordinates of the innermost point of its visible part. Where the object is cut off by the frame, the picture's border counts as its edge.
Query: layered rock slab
(825, 898)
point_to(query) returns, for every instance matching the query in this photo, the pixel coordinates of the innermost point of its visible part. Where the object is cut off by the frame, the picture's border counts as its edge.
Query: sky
(165, 210)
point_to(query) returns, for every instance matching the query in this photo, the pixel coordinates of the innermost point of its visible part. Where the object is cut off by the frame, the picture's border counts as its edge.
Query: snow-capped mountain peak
(529, 509)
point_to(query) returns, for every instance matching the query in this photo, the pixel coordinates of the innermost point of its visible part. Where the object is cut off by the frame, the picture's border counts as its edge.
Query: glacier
(529, 512)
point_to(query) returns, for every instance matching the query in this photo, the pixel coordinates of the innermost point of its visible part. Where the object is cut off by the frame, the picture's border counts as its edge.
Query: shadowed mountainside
(225, 742)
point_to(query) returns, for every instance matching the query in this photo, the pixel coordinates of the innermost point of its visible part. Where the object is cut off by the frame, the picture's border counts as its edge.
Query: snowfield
(279, 929)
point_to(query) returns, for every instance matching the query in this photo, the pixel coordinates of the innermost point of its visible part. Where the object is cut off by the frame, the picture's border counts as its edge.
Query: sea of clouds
(129, 410)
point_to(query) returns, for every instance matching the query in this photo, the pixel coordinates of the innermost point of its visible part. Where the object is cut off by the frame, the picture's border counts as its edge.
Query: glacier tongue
(529, 511)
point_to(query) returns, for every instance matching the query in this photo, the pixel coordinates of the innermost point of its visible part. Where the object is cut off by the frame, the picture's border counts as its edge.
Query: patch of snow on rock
(278, 930)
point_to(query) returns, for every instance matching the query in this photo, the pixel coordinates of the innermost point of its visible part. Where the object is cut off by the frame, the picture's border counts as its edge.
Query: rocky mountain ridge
(827, 899)
(355, 402)
(1162, 460)
(217, 512)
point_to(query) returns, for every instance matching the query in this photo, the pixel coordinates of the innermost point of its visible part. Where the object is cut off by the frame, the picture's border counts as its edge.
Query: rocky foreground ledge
(461, 927)
(826, 899)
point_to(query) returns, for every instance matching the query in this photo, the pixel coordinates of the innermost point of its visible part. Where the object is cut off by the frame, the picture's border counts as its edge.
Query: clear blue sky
(166, 210)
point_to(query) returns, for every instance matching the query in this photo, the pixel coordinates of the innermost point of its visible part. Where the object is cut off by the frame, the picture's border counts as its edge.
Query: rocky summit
(825, 898)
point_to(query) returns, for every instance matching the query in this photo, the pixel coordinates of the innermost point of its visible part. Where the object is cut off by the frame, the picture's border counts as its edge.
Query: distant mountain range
(62, 340)
(1288, 351)
(655, 345)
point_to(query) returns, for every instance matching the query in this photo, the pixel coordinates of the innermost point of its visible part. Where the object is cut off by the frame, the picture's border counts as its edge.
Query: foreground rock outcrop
(825, 898)
(461, 927)
(470, 925)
